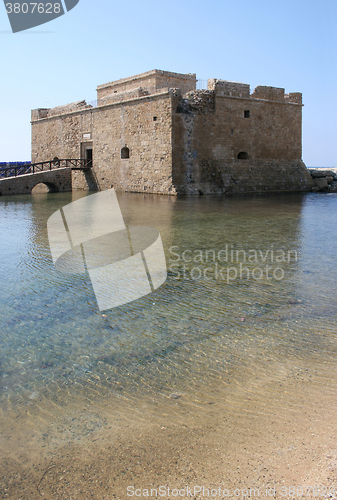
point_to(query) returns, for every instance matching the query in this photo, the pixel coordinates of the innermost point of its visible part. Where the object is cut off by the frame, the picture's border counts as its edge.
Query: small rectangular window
(154, 118)
(247, 113)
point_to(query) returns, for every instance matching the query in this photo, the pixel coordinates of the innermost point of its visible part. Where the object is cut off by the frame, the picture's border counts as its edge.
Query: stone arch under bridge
(46, 187)
(58, 180)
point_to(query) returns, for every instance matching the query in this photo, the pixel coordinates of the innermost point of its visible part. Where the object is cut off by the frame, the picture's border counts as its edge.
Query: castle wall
(59, 136)
(143, 125)
(272, 130)
(207, 140)
(220, 140)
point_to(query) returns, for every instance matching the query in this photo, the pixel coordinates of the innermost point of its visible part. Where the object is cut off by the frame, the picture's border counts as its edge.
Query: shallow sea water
(202, 340)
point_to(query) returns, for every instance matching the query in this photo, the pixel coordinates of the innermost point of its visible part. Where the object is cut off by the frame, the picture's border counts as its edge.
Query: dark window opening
(125, 153)
(88, 157)
(247, 113)
(115, 91)
(154, 118)
(232, 131)
(243, 156)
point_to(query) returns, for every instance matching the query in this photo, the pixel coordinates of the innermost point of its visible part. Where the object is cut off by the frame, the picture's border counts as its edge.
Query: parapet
(151, 80)
(126, 95)
(224, 88)
(228, 89)
(68, 108)
(196, 101)
(268, 93)
(294, 97)
(38, 114)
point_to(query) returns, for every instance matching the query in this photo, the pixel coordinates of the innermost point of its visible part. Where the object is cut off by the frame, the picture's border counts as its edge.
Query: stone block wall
(238, 142)
(37, 114)
(239, 177)
(59, 136)
(141, 124)
(144, 127)
(124, 95)
(268, 93)
(294, 97)
(153, 80)
(160, 140)
(229, 89)
(56, 180)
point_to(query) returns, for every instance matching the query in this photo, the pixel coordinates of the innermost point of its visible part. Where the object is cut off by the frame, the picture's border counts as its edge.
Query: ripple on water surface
(210, 335)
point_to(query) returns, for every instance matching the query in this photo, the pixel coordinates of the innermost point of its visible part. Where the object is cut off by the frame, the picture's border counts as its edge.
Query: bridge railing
(44, 166)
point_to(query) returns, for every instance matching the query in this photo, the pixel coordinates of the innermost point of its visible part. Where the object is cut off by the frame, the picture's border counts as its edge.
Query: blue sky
(290, 44)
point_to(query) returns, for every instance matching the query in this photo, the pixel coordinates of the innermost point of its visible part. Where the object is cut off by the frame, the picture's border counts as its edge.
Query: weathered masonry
(155, 133)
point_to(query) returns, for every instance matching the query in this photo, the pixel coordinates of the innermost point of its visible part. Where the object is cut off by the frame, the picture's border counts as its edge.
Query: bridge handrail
(44, 166)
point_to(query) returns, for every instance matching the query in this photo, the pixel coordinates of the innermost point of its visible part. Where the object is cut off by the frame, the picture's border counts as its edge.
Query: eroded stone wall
(212, 129)
(142, 124)
(60, 135)
(223, 139)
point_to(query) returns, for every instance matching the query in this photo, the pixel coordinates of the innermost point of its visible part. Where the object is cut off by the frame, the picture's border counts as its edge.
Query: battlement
(157, 81)
(38, 114)
(293, 97)
(268, 93)
(224, 88)
(228, 89)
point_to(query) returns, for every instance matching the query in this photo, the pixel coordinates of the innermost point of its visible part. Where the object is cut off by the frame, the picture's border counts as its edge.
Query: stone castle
(155, 133)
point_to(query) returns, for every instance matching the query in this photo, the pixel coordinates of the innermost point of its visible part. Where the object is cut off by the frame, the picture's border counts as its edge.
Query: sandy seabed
(244, 441)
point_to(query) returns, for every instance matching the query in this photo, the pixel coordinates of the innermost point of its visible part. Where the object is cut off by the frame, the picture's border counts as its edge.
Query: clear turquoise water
(191, 336)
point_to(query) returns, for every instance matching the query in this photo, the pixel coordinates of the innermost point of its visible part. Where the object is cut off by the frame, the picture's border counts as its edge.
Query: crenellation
(268, 93)
(226, 88)
(294, 97)
(38, 114)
